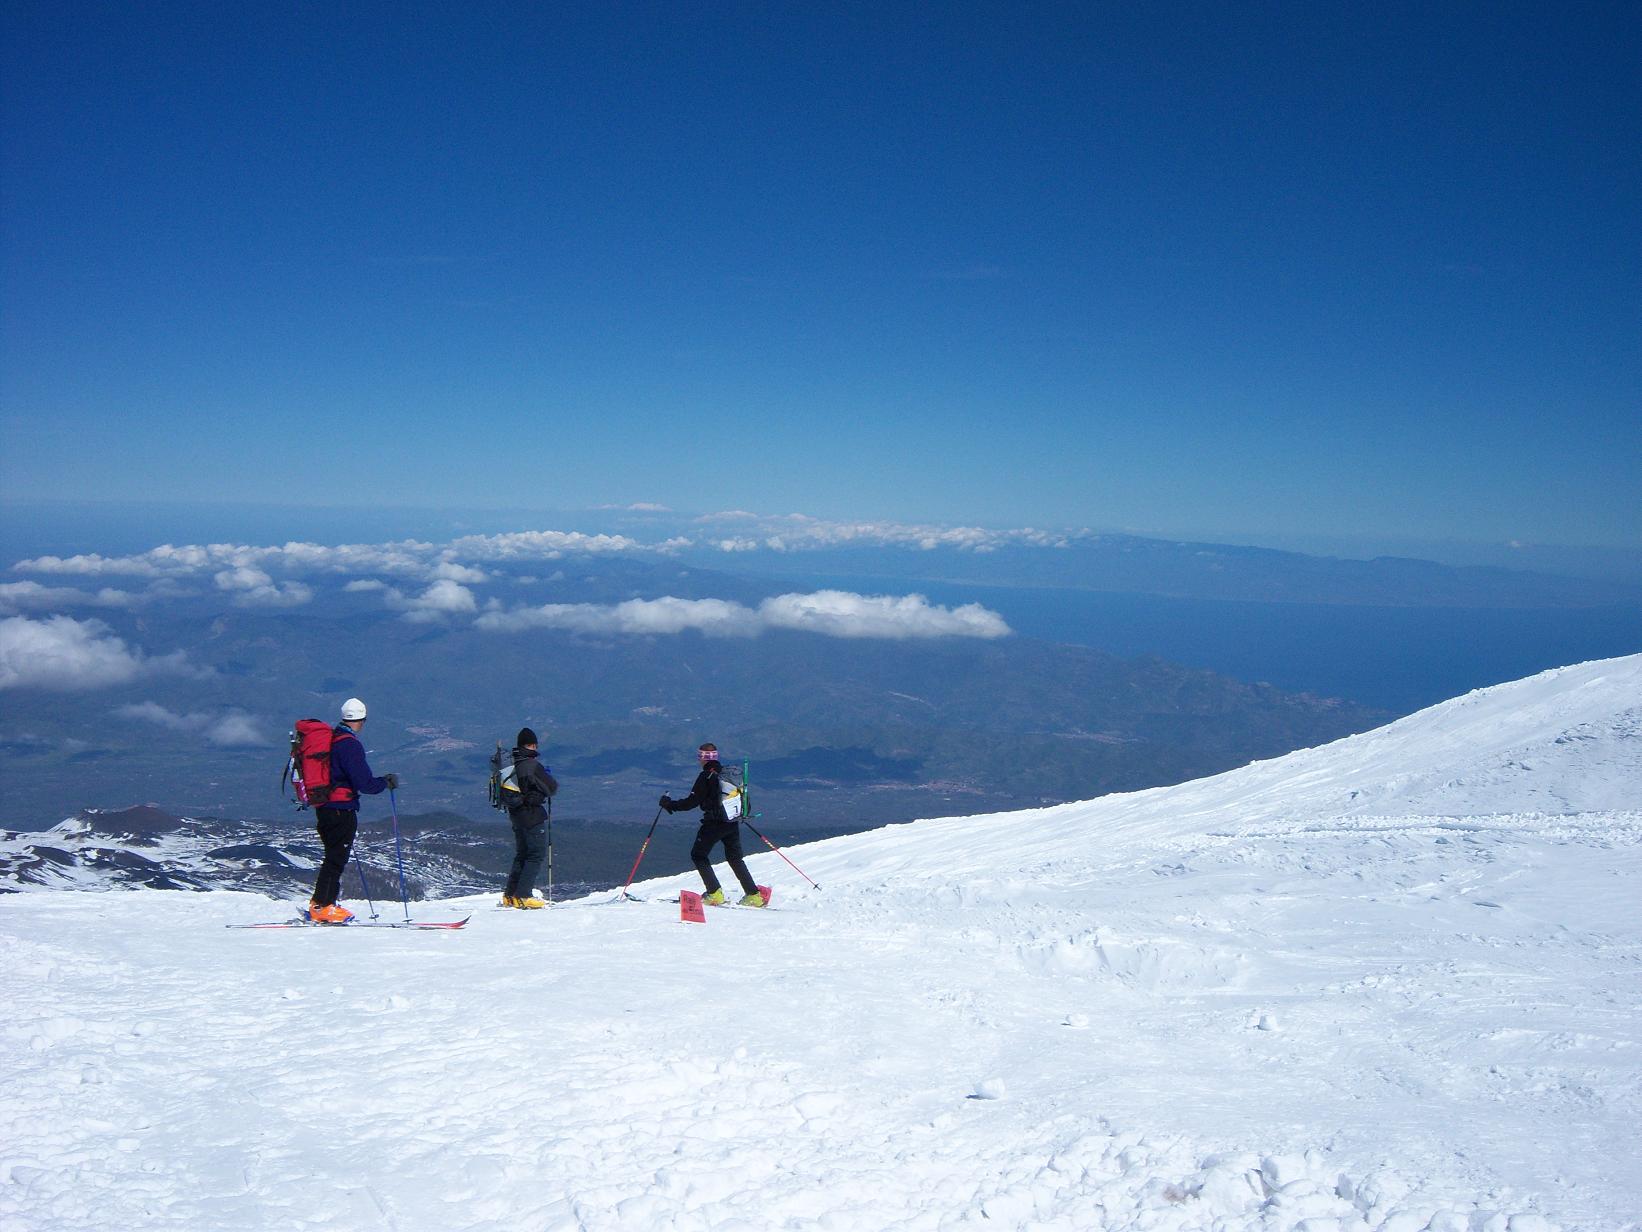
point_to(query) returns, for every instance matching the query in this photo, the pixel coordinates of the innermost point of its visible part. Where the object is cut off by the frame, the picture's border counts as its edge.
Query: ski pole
(359, 867)
(550, 851)
(779, 852)
(635, 869)
(399, 850)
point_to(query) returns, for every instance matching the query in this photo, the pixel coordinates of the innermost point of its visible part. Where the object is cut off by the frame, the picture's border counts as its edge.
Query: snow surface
(1390, 983)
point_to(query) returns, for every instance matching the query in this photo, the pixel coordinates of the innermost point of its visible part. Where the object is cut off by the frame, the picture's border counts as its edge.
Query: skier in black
(536, 787)
(716, 827)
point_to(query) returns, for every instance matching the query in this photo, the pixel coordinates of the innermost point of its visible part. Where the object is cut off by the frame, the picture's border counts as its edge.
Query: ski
(301, 923)
(764, 890)
(447, 924)
(727, 905)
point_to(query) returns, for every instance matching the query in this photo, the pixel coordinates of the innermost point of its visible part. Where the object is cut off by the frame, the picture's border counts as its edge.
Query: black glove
(392, 781)
(667, 802)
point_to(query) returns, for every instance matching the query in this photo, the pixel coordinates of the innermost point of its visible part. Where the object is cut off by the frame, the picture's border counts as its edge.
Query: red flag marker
(690, 910)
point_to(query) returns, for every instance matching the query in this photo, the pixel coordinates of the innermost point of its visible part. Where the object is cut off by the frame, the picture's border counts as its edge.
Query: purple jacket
(348, 769)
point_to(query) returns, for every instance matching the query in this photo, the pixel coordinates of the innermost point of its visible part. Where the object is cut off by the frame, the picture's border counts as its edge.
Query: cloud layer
(64, 654)
(797, 533)
(443, 598)
(233, 730)
(831, 613)
(433, 582)
(31, 596)
(839, 613)
(251, 587)
(457, 560)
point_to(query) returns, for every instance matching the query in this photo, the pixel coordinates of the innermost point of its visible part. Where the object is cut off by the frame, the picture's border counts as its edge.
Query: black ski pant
(529, 850)
(337, 828)
(711, 834)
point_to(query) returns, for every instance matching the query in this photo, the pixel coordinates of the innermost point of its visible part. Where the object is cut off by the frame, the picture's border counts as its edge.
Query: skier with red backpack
(336, 810)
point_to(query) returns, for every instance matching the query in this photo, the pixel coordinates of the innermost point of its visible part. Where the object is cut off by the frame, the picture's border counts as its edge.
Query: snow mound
(1564, 743)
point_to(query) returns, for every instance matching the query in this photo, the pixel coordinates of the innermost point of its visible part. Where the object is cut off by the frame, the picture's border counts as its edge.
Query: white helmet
(352, 709)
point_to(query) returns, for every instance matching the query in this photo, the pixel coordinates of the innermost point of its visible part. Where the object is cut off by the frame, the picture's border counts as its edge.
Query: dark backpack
(506, 791)
(504, 783)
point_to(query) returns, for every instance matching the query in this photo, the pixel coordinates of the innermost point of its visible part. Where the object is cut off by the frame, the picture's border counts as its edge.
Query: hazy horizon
(63, 525)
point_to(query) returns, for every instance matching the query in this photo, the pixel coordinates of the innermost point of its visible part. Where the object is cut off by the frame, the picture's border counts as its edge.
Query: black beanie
(526, 738)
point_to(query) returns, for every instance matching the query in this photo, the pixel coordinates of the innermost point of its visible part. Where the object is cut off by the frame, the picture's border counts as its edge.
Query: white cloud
(450, 571)
(839, 613)
(538, 545)
(62, 654)
(409, 557)
(243, 577)
(715, 617)
(798, 532)
(286, 594)
(235, 729)
(447, 596)
(31, 596)
(251, 587)
(404, 558)
(831, 613)
(92, 565)
(268, 576)
(153, 712)
(443, 598)
(250, 569)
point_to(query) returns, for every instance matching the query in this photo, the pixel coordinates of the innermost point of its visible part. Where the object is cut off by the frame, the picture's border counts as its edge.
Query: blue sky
(1363, 270)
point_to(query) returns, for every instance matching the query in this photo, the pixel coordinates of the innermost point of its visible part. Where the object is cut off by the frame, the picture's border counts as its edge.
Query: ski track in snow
(1392, 984)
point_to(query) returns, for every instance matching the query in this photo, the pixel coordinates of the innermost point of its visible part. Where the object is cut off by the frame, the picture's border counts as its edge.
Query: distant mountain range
(1131, 564)
(145, 848)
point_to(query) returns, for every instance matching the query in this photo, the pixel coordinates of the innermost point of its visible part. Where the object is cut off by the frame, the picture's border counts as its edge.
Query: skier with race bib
(716, 827)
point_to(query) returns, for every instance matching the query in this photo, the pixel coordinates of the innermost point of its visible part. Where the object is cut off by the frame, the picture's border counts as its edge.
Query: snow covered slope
(1390, 983)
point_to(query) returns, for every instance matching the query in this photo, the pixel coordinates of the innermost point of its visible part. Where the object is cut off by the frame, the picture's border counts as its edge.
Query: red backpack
(309, 770)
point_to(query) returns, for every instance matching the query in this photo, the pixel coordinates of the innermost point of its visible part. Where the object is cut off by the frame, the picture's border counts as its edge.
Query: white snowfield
(1392, 983)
